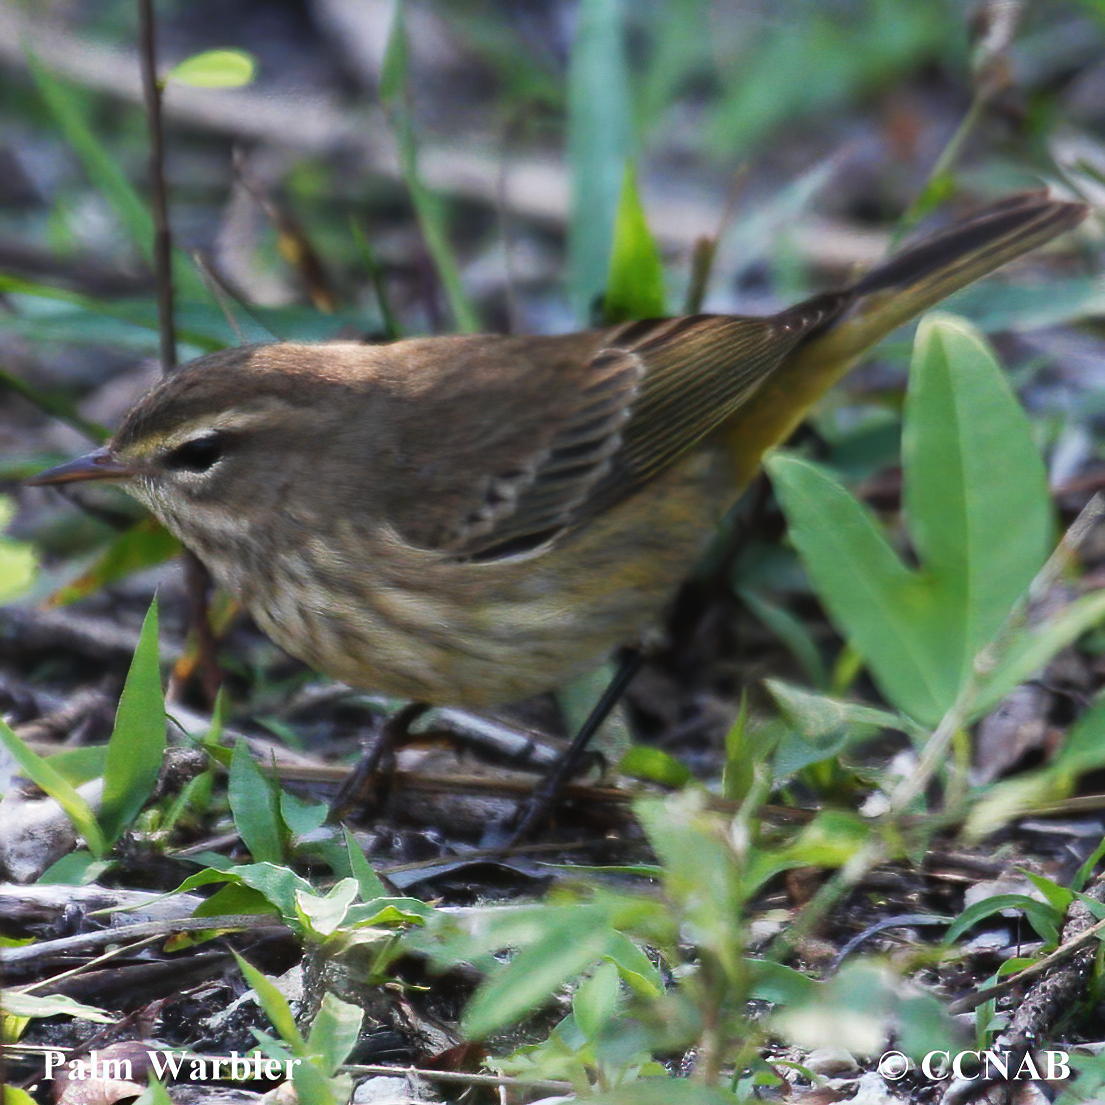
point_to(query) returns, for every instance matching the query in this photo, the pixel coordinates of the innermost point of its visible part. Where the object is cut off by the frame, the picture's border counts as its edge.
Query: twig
(1063, 952)
(162, 240)
(85, 942)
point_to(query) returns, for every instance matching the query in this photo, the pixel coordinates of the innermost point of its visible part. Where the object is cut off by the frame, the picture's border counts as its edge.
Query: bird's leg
(362, 786)
(533, 813)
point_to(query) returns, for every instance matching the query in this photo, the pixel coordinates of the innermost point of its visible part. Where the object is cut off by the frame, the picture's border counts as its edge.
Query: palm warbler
(473, 520)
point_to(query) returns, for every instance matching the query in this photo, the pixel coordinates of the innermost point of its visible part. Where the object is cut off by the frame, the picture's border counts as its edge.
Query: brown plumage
(476, 519)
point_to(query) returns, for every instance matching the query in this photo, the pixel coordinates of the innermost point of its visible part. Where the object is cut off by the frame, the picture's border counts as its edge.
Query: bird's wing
(646, 394)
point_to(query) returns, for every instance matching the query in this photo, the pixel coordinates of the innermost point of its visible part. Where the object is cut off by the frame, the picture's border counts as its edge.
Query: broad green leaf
(878, 602)
(232, 899)
(1056, 896)
(255, 804)
(79, 868)
(334, 1032)
(635, 287)
(977, 509)
(43, 775)
(312, 1087)
(279, 885)
(321, 914)
(778, 983)
(821, 717)
(975, 490)
(137, 745)
(600, 140)
(635, 968)
(80, 765)
(15, 1095)
(387, 913)
(214, 69)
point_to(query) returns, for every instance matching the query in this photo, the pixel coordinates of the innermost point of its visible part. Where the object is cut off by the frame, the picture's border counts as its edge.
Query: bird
(473, 520)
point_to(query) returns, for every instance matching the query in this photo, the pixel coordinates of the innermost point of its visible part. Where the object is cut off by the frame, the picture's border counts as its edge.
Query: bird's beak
(100, 464)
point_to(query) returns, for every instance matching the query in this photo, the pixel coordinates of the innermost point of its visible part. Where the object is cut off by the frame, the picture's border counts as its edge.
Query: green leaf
(102, 168)
(1043, 917)
(154, 1094)
(16, 1003)
(1034, 646)
(635, 968)
(278, 884)
(144, 545)
(214, 69)
(312, 1087)
(255, 804)
(80, 868)
(867, 591)
(43, 775)
(234, 898)
(275, 1006)
(334, 1032)
(654, 765)
(600, 139)
(80, 765)
(595, 1001)
(777, 983)
(978, 510)
(17, 560)
(321, 914)
(635, 287)
(975, 492)
(532, 977)
(15, 1095)
(137, 745)
(371, 885)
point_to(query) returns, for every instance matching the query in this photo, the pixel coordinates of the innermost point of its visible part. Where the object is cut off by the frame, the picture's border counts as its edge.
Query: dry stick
(1040, 967)
(162, 238)
(198, 579)
(85, 942)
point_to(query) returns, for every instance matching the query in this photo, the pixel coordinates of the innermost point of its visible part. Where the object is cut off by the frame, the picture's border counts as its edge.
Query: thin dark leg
(536, 809)
(363, 785)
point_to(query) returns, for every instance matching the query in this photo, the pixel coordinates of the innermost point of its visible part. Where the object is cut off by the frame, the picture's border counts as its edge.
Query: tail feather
(890, 295)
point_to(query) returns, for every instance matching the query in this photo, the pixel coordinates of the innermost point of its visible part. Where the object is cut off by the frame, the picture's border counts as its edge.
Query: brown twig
(162, 237)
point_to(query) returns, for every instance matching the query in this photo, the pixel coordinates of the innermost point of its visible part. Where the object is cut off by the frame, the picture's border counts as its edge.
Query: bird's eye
(197, 455)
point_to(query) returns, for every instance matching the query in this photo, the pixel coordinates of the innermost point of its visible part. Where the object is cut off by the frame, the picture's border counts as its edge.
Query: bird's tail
(902, 287)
